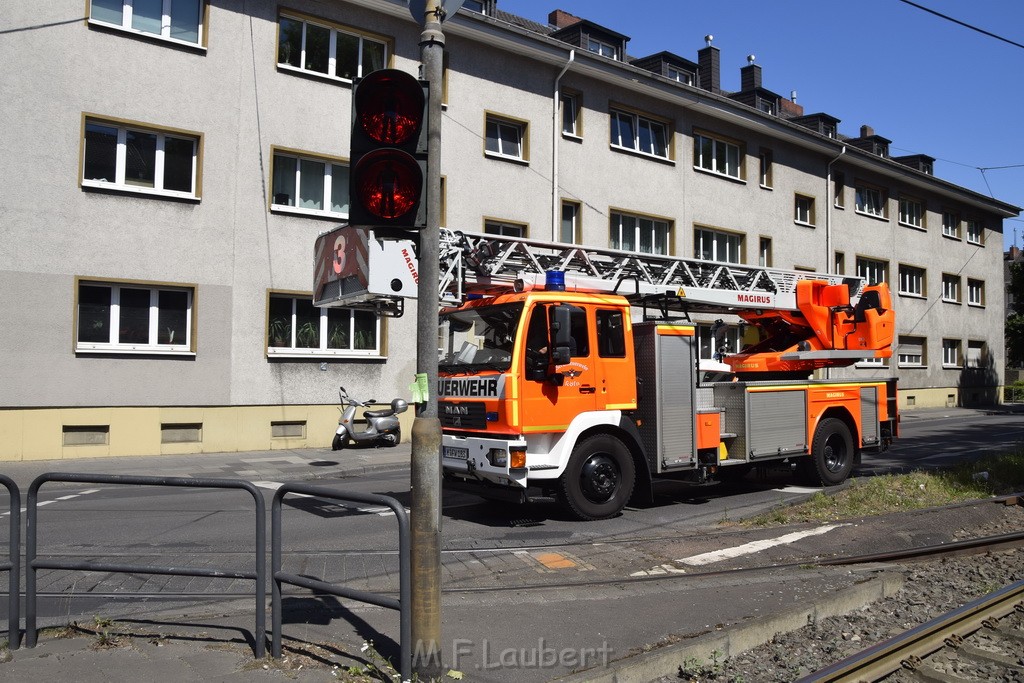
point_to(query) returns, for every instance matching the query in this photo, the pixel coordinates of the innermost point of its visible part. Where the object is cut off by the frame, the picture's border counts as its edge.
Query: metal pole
(425, 477)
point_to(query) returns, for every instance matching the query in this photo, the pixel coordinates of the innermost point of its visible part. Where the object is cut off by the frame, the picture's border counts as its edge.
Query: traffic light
(389, 151)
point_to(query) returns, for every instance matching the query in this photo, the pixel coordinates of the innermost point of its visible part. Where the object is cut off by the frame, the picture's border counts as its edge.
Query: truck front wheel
(832, 453)
(599, 479)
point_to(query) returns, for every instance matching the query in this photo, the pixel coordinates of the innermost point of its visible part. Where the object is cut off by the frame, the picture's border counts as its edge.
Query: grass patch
(988, 476)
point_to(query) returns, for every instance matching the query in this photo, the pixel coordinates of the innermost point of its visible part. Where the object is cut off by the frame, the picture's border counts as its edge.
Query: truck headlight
(497, 457)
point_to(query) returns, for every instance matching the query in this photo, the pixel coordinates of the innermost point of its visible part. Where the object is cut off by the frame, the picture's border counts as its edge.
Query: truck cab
(522, 377)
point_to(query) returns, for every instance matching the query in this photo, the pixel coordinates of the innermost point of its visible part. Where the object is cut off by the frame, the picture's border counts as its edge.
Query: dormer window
(601, 48)
(766, 105)
(670, 66)
(587, 35)
(680, 75)
(869, 142)
(820, 123)
(478, 6)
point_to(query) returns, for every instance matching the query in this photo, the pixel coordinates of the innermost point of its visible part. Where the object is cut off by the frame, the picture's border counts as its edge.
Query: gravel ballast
(930, 588)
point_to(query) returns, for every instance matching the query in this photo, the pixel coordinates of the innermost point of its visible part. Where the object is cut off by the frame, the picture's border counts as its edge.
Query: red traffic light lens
(388, 183)
(389, 104)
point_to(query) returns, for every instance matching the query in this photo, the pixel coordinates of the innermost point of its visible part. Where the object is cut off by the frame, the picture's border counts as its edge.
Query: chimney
(866, 131)
(709, 64)
(750, 75)
(561, 19)
(790, 109)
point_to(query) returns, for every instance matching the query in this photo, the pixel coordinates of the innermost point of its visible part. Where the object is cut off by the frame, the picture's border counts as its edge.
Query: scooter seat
(374, 414)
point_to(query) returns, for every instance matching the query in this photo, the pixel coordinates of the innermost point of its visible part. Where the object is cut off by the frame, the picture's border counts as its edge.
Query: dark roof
(523, 22)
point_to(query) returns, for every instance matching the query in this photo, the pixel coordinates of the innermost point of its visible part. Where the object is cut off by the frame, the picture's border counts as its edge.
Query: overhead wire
(962, 23)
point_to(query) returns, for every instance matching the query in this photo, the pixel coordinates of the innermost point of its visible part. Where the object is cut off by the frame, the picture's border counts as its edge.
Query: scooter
(382, 426)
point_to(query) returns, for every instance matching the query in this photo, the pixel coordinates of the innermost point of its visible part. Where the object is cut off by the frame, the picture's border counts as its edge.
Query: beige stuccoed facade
(219, 263)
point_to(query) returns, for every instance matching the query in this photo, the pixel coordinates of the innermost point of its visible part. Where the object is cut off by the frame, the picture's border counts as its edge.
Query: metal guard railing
(403, 604)
(13, 564)
(32, 564)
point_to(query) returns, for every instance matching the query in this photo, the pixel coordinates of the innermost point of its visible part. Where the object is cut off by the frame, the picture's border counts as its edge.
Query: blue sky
(931, 86)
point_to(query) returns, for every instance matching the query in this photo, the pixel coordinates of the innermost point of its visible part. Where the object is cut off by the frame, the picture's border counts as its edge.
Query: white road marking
(275, 485)
(48, 502)
(798, 489)
(756, 546)
(660, 570)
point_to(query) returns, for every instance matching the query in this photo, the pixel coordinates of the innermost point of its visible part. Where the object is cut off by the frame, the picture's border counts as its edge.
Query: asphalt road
(216, 529)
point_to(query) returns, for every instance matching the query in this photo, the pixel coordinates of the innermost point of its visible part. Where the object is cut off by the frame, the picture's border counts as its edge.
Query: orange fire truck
(573, 372)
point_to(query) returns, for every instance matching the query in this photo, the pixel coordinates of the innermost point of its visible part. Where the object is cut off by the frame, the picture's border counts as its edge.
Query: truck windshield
(481, 338)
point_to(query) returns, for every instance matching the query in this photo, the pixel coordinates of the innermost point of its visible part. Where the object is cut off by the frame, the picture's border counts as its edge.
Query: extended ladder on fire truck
(807, 320)
(491, 264)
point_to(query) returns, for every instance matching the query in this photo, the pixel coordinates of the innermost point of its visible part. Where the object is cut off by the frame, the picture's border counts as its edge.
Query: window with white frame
(506, 229)
(975, 232)
(872, 270)
(569, 233)
(976, 354)
(911, 212)
(717, 156)
(870, 201)
(505, 138)
(764, 252)
(912, 281)
(602, 48)
(975, 292)
(715, 245)
(765, 170)
(951, 288)
(134, 318)
(295, 327)
(950, 225)
(951, 355)
(474, 6)
(570, 114)
(639, 134)
(177, 20)
(839, 191)
(311, 185)
(911, 352)
(803, 209)
(680, 75)
(140, 159)
(630, 232)
(328, 50)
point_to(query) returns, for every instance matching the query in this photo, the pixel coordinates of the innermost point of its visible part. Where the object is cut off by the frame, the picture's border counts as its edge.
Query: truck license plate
(455, 452)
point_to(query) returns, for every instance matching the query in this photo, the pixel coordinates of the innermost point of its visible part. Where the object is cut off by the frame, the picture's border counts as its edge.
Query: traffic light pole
(425, 477)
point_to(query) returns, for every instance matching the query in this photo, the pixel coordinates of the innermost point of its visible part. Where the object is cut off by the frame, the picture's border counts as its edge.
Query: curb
(358, 470)
(732, 641)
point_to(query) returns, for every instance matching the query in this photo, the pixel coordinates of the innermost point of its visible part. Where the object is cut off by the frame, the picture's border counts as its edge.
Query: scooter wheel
(397, 437)
(338, 443)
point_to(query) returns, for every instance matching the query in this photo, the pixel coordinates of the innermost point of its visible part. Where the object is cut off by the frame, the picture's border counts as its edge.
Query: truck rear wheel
(599, 478)
(832, 454)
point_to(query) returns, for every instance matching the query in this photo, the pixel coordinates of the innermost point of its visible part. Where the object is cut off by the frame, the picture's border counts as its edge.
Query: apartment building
(172, 162)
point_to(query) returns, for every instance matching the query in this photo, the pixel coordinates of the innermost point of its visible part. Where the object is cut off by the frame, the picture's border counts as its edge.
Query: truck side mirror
(561, 334)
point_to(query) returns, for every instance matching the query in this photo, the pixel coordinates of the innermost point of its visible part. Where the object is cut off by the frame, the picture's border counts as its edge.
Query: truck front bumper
(482, 460)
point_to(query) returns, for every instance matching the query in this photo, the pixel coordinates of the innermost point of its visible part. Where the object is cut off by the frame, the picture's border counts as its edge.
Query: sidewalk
(571, 611)
(276, 465)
